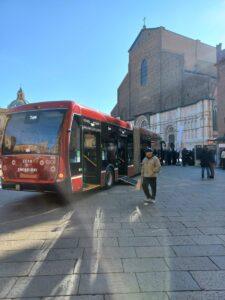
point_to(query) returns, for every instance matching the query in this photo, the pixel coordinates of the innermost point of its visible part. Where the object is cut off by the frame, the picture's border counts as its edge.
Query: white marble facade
(185, 126)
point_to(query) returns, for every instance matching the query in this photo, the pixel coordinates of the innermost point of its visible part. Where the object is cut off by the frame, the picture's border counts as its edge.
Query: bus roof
(76, 108)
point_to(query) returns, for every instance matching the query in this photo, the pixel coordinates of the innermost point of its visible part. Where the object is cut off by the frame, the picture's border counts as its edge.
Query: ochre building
(170, 87)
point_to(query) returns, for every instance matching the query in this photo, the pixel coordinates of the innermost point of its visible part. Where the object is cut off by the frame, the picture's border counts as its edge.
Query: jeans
(152, 182)
(207, 171)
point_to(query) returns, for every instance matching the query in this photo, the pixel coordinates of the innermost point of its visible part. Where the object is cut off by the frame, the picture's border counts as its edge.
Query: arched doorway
(142, 122)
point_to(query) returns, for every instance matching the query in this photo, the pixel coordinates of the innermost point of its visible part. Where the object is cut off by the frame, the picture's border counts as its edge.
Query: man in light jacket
(149, 171)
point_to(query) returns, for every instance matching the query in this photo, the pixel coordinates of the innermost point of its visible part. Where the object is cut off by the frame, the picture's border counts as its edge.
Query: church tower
(20, 100)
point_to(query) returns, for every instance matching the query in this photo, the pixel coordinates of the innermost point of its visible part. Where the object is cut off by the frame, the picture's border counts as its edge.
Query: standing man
(222, 157)
(149, 171)
(204, 158)
(212, 162)
(184, 156)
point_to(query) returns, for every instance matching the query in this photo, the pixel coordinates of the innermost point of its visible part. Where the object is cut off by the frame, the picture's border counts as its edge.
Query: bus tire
(109, 178)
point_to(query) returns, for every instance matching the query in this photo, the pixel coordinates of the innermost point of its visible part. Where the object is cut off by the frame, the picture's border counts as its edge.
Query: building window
(144, 72)
(214, 119)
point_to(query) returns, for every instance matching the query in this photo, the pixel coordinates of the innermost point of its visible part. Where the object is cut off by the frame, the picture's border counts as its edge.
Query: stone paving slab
(40, 235)
(185, 231)
(166, 281)
(134, 265)
(61, 243)
(210, 280)
(139, 296)
(176, 240)
(98, 242)
(136, 225)
(98, 265)
(115, 233)
(15, 269)
(212, 230)
(29, 298)
(108, 283)
(71, 234)
(138, 241)
(203, 295)
(190, 263)
(154, 252)
(22, 256)
(219, 261)
(207, 239)
(166, 225)
(61, 254)
(152, 232)
(6, 285)
(21, 245)
(214, 223)
(108, 226)
(39, 286)
(84, 297)
(62, 267)
(110, 252)
(199, 250)
(222, 237)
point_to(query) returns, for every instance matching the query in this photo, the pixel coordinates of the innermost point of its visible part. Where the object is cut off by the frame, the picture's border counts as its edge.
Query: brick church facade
(170, 87)
(221, 90)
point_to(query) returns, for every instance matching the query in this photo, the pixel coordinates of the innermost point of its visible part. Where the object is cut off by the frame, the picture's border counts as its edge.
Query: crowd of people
(170, 156)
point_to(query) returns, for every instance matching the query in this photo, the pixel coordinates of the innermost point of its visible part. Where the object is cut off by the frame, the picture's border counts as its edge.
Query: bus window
(33, 132)
(109, 145)
(74, 149)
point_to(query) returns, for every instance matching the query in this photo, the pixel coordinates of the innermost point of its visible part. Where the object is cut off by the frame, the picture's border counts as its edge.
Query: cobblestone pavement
(107, 245)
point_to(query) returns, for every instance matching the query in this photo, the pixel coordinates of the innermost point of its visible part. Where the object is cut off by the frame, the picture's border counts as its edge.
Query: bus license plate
(17, 187)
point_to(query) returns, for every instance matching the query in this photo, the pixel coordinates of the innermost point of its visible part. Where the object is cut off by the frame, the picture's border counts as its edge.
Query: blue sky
(70, 49)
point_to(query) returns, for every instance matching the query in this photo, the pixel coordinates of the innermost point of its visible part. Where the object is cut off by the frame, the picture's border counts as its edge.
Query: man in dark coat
(204, 158)
(212, 162)
(184, 154)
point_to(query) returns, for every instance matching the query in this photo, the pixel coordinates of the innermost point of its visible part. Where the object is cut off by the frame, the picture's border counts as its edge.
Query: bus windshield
(33, 132)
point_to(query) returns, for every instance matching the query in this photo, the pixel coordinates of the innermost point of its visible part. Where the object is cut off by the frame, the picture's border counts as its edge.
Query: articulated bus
(63, 146)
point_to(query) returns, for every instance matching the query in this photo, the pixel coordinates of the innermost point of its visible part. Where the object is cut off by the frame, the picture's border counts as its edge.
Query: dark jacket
(204, 159)
(211, 157)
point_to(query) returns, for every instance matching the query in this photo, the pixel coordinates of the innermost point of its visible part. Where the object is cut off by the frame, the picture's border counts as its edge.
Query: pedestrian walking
(204, 158)
(222, 157)
(149, 171)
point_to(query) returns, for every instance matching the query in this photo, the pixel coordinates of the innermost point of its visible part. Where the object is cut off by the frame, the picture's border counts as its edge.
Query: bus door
(122, 155)
(91, 156)
(75, 155)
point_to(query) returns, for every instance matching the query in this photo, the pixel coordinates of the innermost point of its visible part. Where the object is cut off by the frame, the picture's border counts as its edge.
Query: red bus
(63, 146)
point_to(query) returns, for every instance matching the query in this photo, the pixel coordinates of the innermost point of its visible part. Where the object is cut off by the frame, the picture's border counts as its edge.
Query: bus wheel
(109, 178)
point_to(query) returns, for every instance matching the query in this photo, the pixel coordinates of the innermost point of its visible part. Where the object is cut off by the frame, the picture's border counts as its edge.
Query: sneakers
(147, 202)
